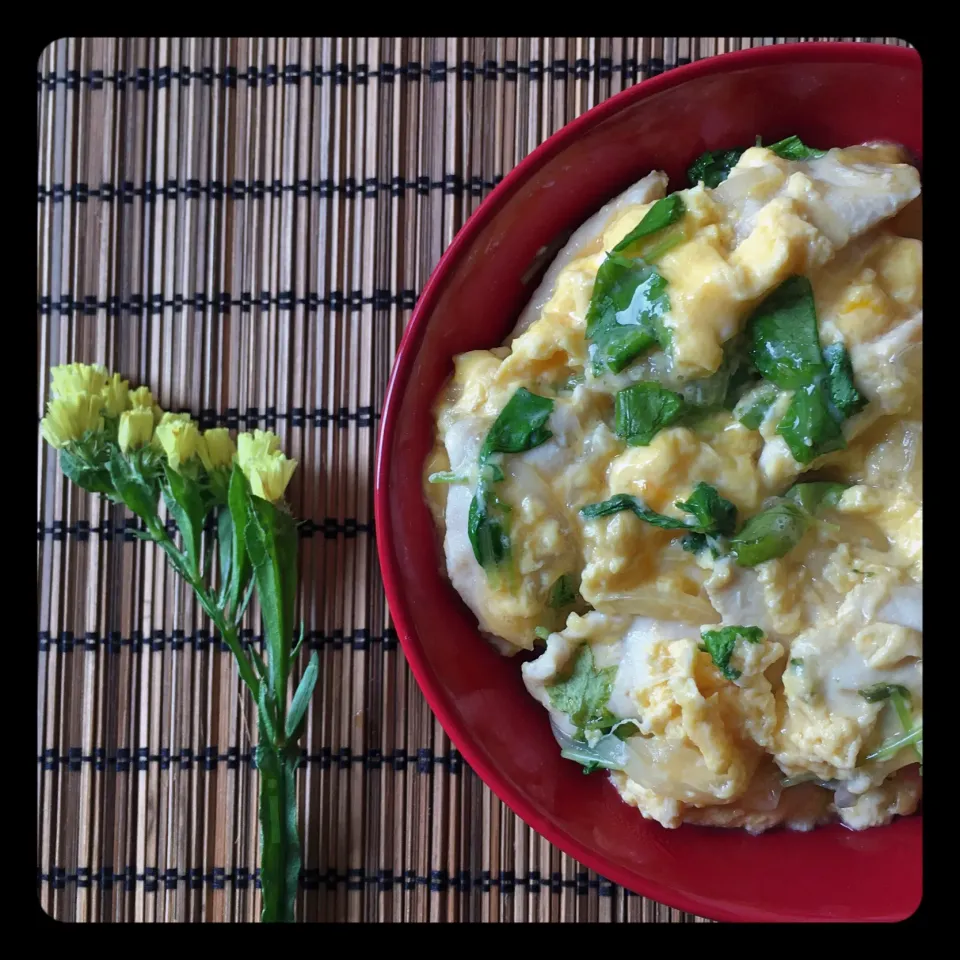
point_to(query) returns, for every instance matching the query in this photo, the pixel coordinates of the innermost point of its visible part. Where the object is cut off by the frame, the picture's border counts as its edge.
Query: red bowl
(831, 94)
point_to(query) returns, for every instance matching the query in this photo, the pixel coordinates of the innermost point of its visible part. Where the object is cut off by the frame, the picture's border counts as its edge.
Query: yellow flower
(69, 418)
(216, 448)
(136, 429)
(115, 393)
(269, 475)
(74, 379)
(265, 467)
(259, 443)
(142, 399)
(177, 435)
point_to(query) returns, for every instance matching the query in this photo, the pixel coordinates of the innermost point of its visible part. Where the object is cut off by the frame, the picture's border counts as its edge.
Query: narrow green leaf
(237, 493)
(883, 691)
(662, 214)
(297, 715)
(299, 644)
(447, 476)
(138, 494)
(225, 550)
(185, 504)
(625, 501)
(271, 538)
(488, 526)
(95, 479)
(793, 148)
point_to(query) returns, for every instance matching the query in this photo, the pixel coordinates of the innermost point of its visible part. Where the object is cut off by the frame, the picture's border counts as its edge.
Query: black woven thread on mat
(437, 71)
(312, 878)
(252, 417)
(224, 301)
(201, 640)
(66, 641)
(330, 528)
(207, 759)
(452, 184)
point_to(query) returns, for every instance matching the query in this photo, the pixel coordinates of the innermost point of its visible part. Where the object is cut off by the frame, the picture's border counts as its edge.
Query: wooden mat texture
(244, 226)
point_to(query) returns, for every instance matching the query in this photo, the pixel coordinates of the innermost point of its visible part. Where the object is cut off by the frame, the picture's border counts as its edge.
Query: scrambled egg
(777, 730)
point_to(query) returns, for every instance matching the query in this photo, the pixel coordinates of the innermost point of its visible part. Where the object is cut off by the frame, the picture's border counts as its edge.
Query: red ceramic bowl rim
(875, 53)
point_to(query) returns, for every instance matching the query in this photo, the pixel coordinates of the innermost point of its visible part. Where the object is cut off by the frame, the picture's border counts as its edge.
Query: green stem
(279, 843)
(227, 631)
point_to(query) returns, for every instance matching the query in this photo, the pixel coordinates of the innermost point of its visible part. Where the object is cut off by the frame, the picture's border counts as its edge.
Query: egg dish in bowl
(690, 485)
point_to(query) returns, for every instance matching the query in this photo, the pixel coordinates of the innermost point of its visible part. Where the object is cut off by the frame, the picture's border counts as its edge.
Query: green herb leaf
(520, 426)
(624, 501)
(297, 715)
(95, 479)
(843, 392)
(627, 305)
(588, 758)
(811, 497)
(720, 645)
(782, 333)
(643, 410)
(488, 526)
(752, 407)
(714, 166)
(447, 476)
(893, 745)
(541, 633)
(770, 534)
(810, 426)
(626, 729)
(793, 148)
(563, 592)
(661, 215)
(713, 513)
(186, 505)
(584, 694)
(721, 389)
(883, 691)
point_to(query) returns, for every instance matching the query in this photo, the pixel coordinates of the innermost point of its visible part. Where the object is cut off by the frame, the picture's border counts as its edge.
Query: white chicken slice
(842, 194)
(543, 529)
(652, 187)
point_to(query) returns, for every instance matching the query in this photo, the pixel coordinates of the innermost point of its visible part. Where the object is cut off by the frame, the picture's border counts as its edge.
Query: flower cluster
(225, 501)
(91, 409)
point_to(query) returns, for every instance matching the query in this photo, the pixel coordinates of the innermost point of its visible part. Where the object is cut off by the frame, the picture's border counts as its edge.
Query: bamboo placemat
(244, 225)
